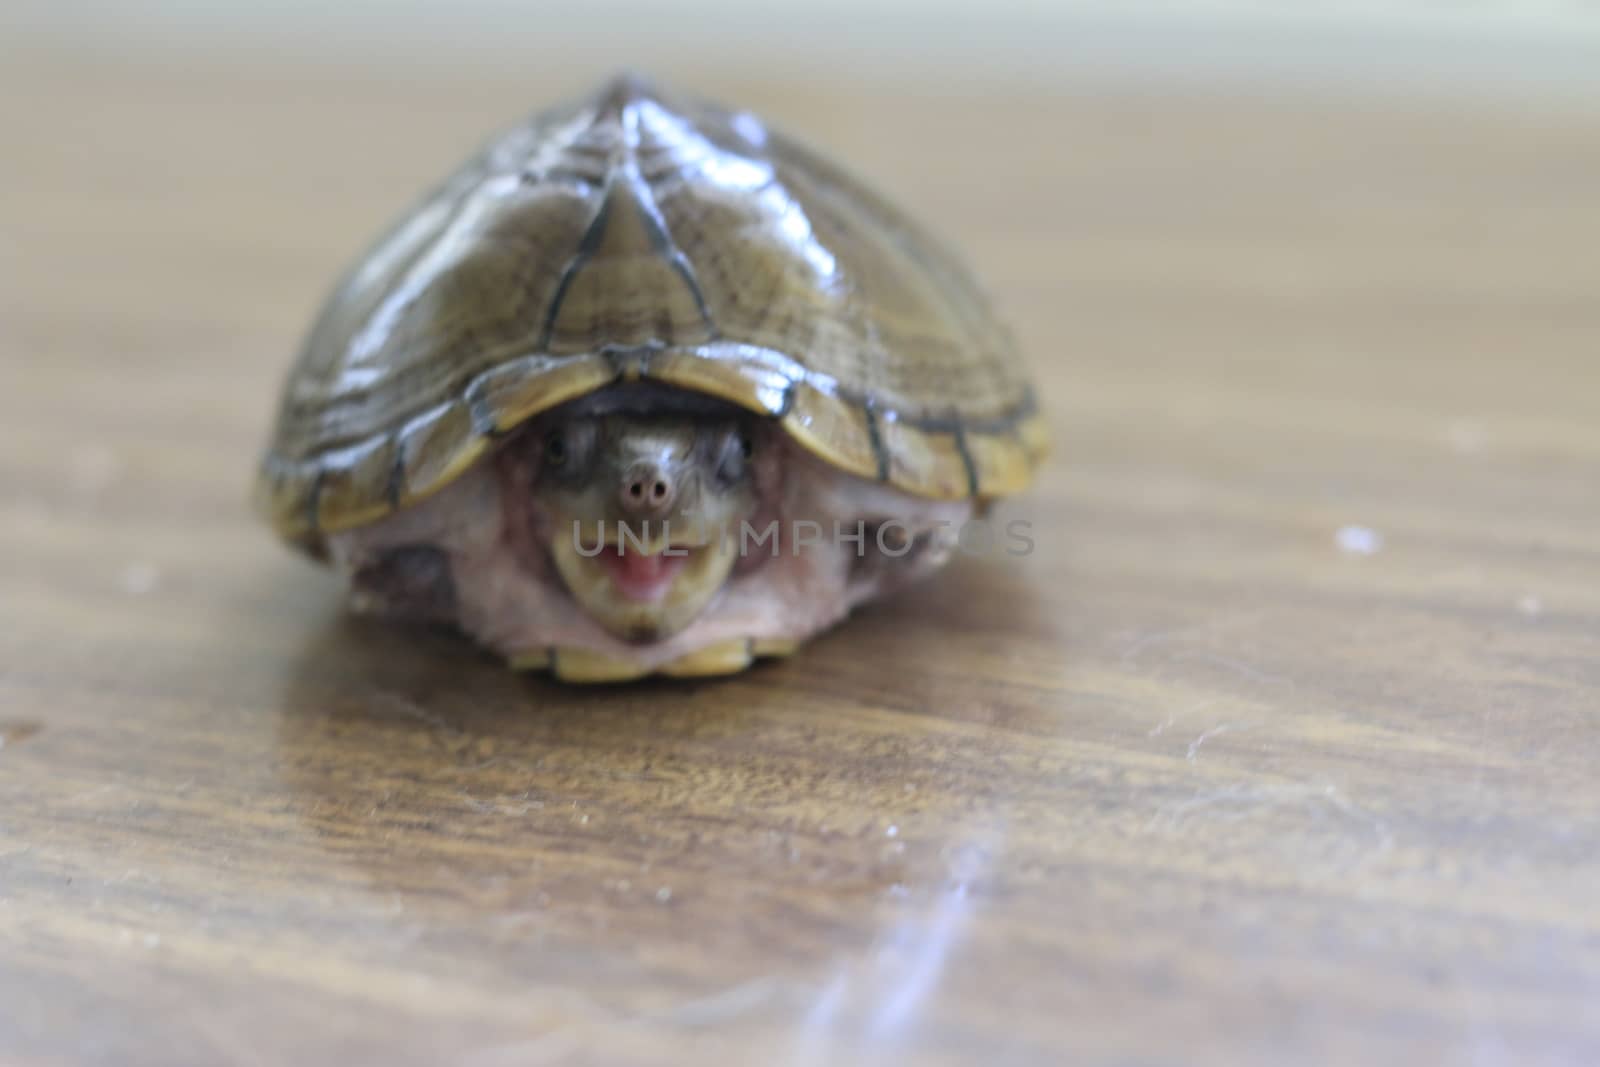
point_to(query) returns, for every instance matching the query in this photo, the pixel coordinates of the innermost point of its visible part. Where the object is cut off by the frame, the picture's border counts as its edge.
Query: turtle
(646, 387)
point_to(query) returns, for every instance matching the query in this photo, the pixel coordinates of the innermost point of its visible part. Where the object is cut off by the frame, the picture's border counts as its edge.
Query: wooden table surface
(1281, 748)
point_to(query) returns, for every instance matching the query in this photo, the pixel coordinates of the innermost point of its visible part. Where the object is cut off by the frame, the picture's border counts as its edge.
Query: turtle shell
(638, 236)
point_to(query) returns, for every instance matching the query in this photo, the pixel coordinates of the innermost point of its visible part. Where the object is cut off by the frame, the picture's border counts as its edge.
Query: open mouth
(646, 577)
(648, 591)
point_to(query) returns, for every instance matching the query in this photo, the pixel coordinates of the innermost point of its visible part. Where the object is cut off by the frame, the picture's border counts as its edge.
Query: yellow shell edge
(839, 433)
(724, 657)
(341, 491)
(582, 666)
(928, 464)
(773, 646)
(1034, 434)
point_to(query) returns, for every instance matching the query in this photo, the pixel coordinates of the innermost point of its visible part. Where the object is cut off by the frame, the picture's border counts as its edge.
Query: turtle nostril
(646, 490)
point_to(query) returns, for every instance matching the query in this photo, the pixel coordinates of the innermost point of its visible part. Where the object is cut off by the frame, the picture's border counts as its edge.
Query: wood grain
(1191, 783)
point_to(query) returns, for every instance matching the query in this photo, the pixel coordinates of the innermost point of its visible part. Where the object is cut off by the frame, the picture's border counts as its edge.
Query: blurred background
(1485, 47)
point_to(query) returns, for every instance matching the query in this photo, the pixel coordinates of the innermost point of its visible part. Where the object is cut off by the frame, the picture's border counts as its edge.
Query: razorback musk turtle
(563, 402)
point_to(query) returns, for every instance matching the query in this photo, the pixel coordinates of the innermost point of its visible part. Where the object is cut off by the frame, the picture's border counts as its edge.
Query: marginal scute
(752, 386)
(354, 486)
(514, 392)
(999, 466)
(835, 430)
(437, 448)
(1033, 436)
(282, 493)
(931, 460)
(637, 235)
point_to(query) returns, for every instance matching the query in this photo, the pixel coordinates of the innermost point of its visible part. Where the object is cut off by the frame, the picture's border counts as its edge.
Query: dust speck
(892, 831)
(1359, 540)
(664, 894)
(1530, 606)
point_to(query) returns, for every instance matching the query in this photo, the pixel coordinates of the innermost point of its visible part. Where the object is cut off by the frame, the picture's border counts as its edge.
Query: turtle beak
(655, 537)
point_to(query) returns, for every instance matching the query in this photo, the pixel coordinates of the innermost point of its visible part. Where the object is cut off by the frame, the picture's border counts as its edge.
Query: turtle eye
(566, 451)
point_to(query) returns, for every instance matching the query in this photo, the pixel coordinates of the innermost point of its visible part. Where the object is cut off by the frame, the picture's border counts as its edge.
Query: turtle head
(643, 508)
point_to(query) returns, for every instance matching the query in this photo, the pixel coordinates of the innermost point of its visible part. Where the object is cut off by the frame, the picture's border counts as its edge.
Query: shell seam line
(875, 435)
(395, 488)
(786, 404)
(966, 461)
(586, 248)
(661, 242)
(482, 419)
